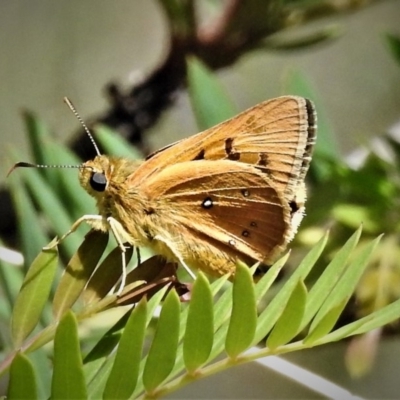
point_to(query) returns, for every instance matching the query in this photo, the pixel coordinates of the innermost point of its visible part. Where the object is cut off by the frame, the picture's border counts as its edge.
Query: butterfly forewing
(275, 136)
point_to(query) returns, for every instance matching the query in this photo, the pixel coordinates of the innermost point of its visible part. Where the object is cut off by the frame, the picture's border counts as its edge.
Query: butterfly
(233, 192)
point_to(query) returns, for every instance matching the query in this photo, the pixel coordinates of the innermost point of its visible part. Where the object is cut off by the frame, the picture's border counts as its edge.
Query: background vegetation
(341, 197)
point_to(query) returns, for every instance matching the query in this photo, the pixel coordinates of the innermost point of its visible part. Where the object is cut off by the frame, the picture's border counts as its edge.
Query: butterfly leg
(91, 219)
(176, 254)
(118, 232)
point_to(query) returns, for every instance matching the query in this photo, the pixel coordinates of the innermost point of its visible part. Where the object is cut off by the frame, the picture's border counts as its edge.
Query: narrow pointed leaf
(30, 230)
(372, 321)
(98, 383)
(219, 342)
(99, 362)
(222, 308)
(70, 192)
(224, 305)
(288, 323)
(11, 279)
(39, 359)
(272, 312)
(215, 287)
(22, 384)
(347, 282)
(325, 324)
(222, 313)
(152, 305)
(38, 133)
(263, 285)
(379, 318)
(68, 379)
(104, 347)
(199, 333)
(116, 145)
(124, 374)
(33, 295)
(78, 271)
(329, 278)
(51, 206)
(210, 103)
(243, 322)
(162, 353)
(303, 41)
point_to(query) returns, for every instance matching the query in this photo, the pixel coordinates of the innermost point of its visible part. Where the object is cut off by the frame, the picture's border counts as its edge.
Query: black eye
(98, 182)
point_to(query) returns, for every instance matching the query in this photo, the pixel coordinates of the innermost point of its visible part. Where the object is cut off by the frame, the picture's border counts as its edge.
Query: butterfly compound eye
(98, 182)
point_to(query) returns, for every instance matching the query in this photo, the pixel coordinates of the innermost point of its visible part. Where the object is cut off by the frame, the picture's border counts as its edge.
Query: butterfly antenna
(79, 118)
(23, 164)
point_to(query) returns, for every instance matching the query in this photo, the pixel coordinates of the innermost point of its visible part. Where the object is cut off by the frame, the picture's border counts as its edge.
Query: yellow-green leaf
(162, 353)
(78, 271)
(68, 379)
(199, 332)
(288, 323)
(33, 295)
(125, 371)
(243, 322)
(22, 384)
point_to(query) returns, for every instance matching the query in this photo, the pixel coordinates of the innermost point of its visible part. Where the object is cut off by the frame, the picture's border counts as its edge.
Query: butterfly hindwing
(229, 203)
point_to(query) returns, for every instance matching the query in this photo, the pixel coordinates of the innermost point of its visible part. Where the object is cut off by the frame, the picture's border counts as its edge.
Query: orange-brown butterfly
(233, 192)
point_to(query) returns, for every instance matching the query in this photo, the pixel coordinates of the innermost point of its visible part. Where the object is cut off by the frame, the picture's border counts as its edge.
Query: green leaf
(33, 295)
(393, 42)
(94, 360)
(243, 322)
(372, 321)
(162, 353)
(11, 279)
(38, 133)
(326, 323)
(269, 277)
(115, 145)
(51, 206)
(124, 374)
(78, 271)
(329, 278)
(98, 383)
(30, 229)
(199, 333)
(152, 306)
(210, 103)
(288, 323)
(302, 41)
(39, 359)
(68, 379)
(272, 312)
(22, 384)
(342, 292)
(69, 191)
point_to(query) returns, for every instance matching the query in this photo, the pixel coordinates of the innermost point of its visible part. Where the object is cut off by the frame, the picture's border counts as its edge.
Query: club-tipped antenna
(79, 118)
(23, 164)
